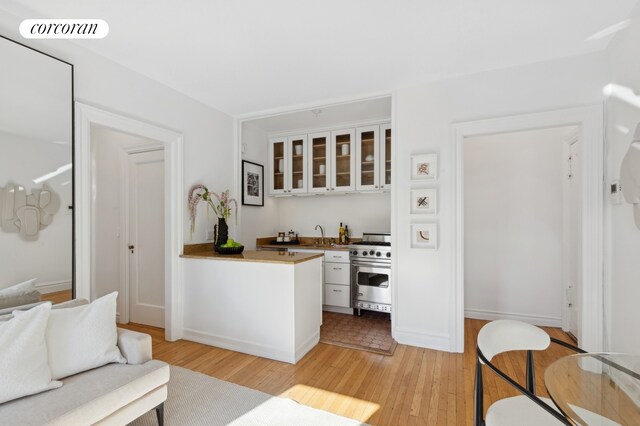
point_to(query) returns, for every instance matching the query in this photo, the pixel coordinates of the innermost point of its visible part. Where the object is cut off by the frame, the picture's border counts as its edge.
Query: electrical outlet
(615, 192)
(210, 235)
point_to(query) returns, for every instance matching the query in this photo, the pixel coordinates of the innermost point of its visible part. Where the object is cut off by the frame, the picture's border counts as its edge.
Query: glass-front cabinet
(279, 167)
(319, 166)
(343, 160)
(367, 158)
(297, 170)
(385, 156)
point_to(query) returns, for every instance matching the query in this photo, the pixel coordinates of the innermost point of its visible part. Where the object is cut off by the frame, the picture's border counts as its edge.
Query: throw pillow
(83, 337)
(20, 288)
(24, 367)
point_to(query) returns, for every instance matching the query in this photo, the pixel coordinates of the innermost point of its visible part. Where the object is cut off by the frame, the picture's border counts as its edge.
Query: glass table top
(596, 388)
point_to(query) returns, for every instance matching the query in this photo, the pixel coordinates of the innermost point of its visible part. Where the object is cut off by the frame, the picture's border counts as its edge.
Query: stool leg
(478, 401)
(531, 377)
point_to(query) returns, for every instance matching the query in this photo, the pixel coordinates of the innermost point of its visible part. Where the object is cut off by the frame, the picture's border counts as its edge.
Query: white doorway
(144, 282)
(589, 121)
(88, 118)
(518, 200)
(572, 237)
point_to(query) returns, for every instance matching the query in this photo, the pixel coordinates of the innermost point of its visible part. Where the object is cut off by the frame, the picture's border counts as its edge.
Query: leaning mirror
(36, 177)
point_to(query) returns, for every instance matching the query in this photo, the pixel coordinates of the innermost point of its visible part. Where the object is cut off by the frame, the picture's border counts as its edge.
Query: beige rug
(198, 399)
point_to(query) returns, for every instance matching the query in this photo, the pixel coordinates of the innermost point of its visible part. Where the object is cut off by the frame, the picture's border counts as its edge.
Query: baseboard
(53, 286)
(440, 342)
(238, 345)
(541, 320)
(337, 309)
(305, 347)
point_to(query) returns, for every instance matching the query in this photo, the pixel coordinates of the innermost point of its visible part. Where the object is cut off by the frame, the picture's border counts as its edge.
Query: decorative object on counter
(252, 184)
(27, 214)
(424, 235)
(221, 208)
(341, 234)
(280, 238)
(424, 201)
(230, 247)
(424, 166)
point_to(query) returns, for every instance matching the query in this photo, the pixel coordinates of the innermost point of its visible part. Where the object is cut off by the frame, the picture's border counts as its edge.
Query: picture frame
(424, 166)
(424, 201)
(252, 184)
(424, 236)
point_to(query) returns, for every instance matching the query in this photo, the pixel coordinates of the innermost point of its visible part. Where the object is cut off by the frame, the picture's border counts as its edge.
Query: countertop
(305, 246)
(255, 256)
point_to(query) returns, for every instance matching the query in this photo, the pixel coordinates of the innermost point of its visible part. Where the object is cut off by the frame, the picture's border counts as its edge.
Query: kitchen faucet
(321, 233)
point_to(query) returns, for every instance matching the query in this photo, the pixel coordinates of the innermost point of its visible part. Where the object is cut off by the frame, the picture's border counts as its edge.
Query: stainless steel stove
(371, 273)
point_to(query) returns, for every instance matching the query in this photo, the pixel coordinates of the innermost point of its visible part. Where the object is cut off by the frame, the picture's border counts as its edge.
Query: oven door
(371, 283)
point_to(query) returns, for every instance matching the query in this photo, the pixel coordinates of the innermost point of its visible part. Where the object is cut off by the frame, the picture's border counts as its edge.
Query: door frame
(174, 205)
(125, 259)
(589, 119)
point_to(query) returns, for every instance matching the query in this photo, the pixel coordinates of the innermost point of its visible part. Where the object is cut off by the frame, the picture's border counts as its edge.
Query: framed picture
(424, 201)
(252, 184)
(424, 166)
(424, 235)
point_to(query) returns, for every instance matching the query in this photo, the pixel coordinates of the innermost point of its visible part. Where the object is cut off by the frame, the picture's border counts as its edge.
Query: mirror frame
(73, 161)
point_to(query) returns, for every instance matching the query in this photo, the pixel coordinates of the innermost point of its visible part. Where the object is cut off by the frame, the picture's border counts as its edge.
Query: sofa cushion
(83, 337)
(87, 397)
(23, 293)
(24, 369)
(7, 314)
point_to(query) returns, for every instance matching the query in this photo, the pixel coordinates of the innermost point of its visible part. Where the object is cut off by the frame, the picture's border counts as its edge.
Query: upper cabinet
(346, 160)
(319, 165)
(367, 158)
(343, 160)
(385, 156)
(288, 159)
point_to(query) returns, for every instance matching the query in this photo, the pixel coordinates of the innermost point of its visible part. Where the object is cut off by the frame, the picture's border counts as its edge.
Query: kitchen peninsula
(262, 303)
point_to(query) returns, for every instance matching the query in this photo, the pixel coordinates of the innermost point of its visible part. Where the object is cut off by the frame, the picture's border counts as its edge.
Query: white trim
(540, 320)
(440, 342)
(334, 126)
(590, 121)
(87, 115)
(53, 286)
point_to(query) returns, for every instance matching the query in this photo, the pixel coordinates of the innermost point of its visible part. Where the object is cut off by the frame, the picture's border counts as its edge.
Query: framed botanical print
(252, 184)
(424, 201)
(424, 167)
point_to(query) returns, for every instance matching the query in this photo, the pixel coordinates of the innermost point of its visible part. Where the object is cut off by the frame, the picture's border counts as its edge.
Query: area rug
(198, 399)
(370, 332)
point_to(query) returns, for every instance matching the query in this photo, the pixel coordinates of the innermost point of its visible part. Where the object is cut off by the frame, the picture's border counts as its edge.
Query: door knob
(131, 247)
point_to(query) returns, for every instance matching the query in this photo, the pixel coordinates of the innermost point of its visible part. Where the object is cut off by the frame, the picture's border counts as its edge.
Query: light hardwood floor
(414, 386)
(57, 297)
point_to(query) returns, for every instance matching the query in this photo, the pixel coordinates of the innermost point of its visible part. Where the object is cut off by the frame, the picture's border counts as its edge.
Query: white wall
(622, 277)
(513, 226)
(423, 116)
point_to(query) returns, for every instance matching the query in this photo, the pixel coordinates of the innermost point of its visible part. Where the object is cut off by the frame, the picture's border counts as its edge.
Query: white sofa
(114, 394)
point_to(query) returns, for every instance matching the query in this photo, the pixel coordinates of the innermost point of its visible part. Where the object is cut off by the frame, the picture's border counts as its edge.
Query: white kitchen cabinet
(288, 161)
(367, 158)
(343, 160)
(385, 156)
(319, 165)
(337, 279)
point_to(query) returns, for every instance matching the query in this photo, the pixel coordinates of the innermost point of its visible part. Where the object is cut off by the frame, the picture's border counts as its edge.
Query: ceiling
(244, 56)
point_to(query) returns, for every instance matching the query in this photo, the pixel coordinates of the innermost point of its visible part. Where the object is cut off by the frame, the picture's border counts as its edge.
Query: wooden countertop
(255, 256)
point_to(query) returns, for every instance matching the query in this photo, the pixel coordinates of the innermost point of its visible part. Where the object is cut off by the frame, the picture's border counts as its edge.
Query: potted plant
(221, 207)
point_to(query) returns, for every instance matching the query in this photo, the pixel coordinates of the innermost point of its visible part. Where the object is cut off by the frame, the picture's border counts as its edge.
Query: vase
(221, 232)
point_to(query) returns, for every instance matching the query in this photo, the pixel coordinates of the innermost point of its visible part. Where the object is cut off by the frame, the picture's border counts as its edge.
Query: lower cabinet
(337, 280)
(336, 295)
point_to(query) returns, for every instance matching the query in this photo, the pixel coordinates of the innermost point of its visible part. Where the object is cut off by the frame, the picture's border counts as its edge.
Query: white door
(146, 238)
(575, 239)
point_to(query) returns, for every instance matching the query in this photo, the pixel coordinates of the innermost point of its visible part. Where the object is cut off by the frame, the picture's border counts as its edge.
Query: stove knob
(364, 253)
(378, 254)
(388, 254)
(372, 252)
(355, 252)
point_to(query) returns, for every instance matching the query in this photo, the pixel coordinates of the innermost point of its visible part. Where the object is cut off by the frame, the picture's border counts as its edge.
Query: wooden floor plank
(414, 386)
